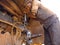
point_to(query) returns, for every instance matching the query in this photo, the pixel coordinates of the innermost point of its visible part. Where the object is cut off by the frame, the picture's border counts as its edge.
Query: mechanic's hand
(35, 5)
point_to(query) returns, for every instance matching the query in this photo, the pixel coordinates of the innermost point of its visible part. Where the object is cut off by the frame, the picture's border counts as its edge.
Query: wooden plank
(15, 7)
(8, 9)
(20, 4)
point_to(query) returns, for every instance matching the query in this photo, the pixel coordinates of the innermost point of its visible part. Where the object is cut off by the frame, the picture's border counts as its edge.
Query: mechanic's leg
(47, 39)
(52, 32)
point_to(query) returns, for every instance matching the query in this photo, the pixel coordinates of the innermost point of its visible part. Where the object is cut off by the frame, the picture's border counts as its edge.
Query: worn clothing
(51, 26)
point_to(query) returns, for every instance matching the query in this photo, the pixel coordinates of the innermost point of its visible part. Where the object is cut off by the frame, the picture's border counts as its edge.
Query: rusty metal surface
(16, 9)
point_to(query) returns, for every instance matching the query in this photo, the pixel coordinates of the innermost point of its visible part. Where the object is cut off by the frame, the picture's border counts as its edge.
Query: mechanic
(50, 23)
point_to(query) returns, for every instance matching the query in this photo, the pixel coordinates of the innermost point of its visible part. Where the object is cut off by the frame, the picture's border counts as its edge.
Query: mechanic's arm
(43, 14)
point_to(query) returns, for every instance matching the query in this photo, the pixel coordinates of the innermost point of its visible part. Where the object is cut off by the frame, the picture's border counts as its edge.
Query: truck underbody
(12, 23)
